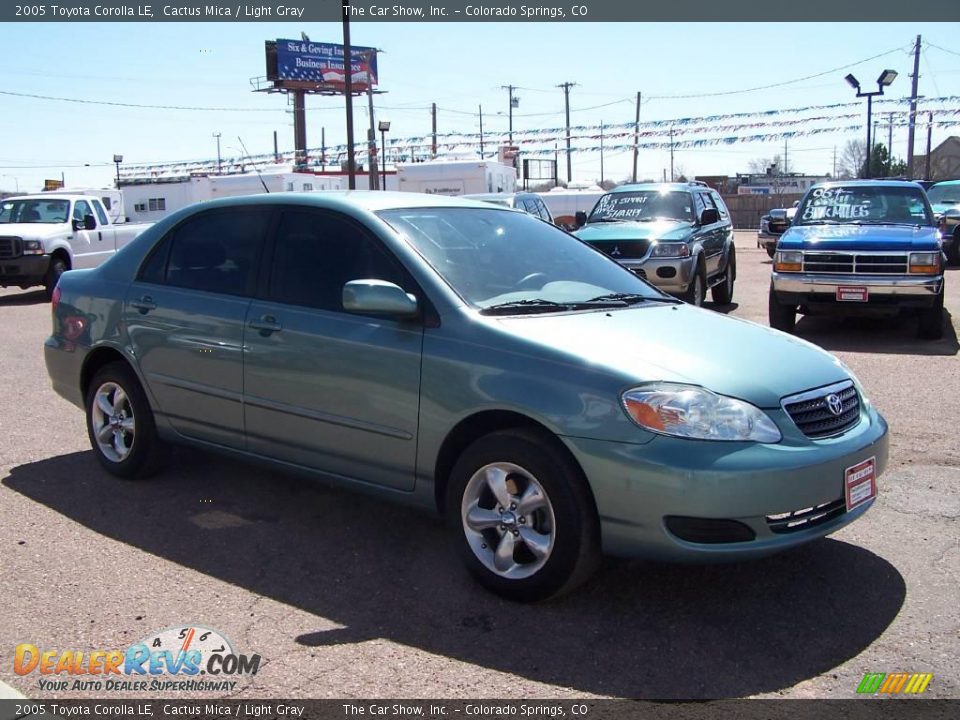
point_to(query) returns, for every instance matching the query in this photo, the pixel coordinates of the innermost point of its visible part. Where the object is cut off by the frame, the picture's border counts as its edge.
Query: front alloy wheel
(113, 422)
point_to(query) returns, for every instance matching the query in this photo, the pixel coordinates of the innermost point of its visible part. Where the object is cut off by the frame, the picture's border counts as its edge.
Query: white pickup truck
(42, 236)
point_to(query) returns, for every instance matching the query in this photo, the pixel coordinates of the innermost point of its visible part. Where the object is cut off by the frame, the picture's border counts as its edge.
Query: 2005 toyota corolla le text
(472, 359)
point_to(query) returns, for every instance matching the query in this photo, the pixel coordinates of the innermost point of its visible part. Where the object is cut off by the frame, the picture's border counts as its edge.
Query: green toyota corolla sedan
(471, 359)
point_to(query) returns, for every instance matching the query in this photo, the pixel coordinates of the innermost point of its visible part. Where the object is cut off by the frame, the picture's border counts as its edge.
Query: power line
(941, 49)
(134, 105)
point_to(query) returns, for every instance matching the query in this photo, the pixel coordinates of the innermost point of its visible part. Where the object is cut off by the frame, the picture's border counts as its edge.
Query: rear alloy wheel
(526, 523)
(120, 423)
(932, 320)
(697, 292)
(782, 317)
(723, 293)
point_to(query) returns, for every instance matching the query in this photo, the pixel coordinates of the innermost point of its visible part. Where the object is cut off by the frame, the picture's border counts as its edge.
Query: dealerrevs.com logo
(191, 658)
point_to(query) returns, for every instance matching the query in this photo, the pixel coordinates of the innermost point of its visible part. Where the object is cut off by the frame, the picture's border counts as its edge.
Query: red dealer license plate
(852, 293)
(860, 483)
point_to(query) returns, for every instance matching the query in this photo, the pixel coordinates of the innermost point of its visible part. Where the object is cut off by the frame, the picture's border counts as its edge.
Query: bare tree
(760, 165)
(852, 159)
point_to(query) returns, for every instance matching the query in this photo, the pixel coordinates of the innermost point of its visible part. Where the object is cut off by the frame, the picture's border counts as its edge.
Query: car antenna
(265, 188)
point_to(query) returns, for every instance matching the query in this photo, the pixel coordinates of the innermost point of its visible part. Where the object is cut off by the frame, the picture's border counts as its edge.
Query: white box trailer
(457, 177)
(565, 203)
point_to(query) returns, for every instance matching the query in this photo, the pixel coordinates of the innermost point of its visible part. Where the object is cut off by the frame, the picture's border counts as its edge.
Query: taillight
(55, 298)
(74, 327)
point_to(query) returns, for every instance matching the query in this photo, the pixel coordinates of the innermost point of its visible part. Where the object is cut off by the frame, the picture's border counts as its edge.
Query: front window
(34, 211)
(643, 206)
(864, 205)
(944, 194)
(512, 260)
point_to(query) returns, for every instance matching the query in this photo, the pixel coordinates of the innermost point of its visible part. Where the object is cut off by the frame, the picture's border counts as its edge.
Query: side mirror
(709, 216)
(76, 224)
(378, 297)
(580, 218)
(89, 223)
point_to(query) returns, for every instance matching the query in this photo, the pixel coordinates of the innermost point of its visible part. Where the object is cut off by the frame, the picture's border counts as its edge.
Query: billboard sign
(323, 64)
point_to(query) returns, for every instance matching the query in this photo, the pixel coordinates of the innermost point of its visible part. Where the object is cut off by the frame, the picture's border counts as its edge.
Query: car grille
(811, 413)
(807, 517)
(832, 262)
(10, 247)
(624, 249)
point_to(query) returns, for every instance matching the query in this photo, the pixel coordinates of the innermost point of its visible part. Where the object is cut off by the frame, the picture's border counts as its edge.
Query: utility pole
(372, 175)
(481, 131)
(276, 152)
(348, 93)
(671, 153)
(433, 147)
(784, 155)
(889, 142)
(601, 153)
(636, 138)
(929, 143)
(834, 176)
(913, 107)
(323, 148)
(514, 102)
(566, 100)
(219, 164)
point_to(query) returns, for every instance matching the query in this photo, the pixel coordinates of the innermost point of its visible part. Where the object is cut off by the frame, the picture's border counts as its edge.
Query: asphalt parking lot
(344, 596)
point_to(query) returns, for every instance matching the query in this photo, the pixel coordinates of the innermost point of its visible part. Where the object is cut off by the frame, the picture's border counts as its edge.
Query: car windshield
(512, 260)
(34, 211)
(944, 194)
(864, 205)
(644, 206)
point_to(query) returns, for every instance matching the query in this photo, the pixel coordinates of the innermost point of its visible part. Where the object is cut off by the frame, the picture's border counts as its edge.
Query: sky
(459, 66)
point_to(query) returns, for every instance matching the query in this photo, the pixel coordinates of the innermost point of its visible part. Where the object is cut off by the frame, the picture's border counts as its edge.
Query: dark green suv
(677, 236)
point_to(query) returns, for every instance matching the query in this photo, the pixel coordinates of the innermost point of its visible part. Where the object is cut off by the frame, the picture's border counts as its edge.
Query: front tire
(120, 424)
(697, 292)
(525, 521)
(782, 317)
(723, 293)
(58, 267)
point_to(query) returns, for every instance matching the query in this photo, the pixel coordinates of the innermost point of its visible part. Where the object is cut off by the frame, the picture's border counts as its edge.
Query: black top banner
(852, 11)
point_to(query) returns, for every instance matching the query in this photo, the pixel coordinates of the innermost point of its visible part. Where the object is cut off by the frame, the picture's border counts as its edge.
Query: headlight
(671, 250)
(925, 263)
(788, 261)
(32, 247)
(692, 412)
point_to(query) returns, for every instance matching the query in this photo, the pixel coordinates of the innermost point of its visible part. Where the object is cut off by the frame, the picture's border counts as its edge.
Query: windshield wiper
(629, 299)
(531, 305)
(885, 222)
(606, 219)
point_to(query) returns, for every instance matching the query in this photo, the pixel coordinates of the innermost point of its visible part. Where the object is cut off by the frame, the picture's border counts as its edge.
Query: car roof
(675, 186)
(867, 183)
(945, 182)
(369, 200)
(496, 196)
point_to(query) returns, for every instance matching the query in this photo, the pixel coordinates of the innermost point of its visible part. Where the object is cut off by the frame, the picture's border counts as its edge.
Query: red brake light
(55, 298)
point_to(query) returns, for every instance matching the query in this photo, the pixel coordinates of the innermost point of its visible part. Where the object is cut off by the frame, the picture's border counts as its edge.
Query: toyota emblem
(834, 404)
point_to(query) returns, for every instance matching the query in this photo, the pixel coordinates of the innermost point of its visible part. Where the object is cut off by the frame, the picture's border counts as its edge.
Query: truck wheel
(953, 257)
(782, 317)
(932, 320)
(723, 293)
(57, 268)
(120, 424)
(525, 521)
(697, 292)
(771, 250)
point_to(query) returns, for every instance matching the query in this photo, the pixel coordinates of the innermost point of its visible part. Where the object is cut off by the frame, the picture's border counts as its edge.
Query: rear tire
(723, 293)
(932, 320)
(57, 268)
(120, 424)
(525, 521)
(782, 317)
(953, 257)
(771, 250)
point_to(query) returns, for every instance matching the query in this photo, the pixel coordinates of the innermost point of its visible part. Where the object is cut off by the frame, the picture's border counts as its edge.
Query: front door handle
(266, 324)
(144, 304)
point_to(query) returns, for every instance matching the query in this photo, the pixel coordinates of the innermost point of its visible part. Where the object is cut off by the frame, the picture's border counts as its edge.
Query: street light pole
(117, 159)
(384, 125)
(885, 79)
(217, 136)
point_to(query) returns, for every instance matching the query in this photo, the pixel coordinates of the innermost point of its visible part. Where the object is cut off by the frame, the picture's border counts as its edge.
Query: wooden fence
(746, 210)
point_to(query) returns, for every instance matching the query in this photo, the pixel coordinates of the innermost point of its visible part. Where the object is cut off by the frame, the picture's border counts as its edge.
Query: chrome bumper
(876, 284)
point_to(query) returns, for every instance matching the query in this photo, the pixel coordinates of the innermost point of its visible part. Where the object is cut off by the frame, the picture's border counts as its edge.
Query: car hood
(859, 237)
(685, 344)
(631, 230)
(32, 231)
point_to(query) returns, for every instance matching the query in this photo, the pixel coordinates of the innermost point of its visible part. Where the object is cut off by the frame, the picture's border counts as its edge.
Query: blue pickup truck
(868, 246)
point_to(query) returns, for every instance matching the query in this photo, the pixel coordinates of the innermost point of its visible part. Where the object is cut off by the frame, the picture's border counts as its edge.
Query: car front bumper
(800, 288)
(638, 487)
(25, 270)
(670, 274)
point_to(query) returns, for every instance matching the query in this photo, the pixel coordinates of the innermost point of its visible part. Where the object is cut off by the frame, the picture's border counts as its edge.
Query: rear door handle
(266, 324)
(144, 304)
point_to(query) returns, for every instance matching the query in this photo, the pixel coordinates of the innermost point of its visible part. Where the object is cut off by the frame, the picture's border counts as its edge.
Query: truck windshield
(944, 194)
(864, 205)
(644, 206)
(34, 211)
(505, 258)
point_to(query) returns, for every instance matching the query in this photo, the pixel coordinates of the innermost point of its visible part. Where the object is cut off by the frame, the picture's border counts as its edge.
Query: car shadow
(640, 630)
(722, 309)
(34, 297)
(893, 336)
